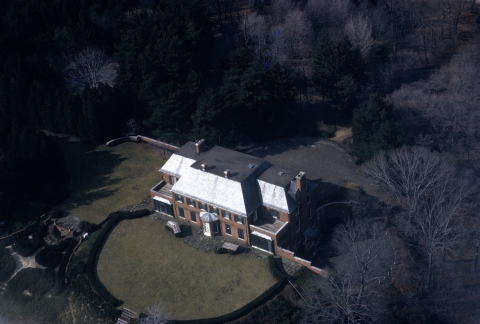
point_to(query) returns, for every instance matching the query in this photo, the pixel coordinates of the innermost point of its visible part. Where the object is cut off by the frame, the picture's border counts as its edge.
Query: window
(226, 214)
(179, 198)
(181, 212)
(193, 216)
(274, 213)
(298, 225)
(311, 213)
(308, 199)
(213, 210)
(240, 234)
(172, 179)
(215, 227)
(239, 219)
(202, 206)
(191, 202)
(228, 229)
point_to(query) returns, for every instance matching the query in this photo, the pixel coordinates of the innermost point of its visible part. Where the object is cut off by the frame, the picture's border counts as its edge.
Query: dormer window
(179, 198)
(202, 206)
(172, 179)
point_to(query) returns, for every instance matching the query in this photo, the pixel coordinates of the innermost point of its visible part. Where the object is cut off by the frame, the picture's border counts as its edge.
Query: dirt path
(23, 262)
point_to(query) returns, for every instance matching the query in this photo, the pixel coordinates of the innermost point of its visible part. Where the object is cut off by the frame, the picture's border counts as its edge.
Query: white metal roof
(241, 198)
(276, 197)
(261, 235)
(177, 165)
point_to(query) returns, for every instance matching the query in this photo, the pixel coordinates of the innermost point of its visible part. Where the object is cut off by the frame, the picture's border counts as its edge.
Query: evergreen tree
(374, 128)
(339, 70)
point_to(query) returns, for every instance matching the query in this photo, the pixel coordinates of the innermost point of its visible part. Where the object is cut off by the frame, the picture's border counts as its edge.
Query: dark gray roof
(219, 159)
(252, 181)
(277, 176)
(189, 151)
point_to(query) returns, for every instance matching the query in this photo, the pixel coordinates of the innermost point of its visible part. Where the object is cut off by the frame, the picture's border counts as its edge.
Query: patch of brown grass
(106, 179)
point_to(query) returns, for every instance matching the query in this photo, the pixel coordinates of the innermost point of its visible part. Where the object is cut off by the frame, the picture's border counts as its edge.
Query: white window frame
(228, 229)
(239, 219)
(243, 233)
(226, 214)
(194, 213)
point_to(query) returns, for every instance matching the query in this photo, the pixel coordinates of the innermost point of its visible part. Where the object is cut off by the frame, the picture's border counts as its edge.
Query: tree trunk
(429, 274)
(475, 260)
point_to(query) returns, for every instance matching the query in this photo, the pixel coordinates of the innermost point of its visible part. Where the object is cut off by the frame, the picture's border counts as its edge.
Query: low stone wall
(142, 139)
(291, 256)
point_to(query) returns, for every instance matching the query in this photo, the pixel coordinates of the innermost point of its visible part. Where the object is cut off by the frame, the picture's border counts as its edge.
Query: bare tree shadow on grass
(90, 172)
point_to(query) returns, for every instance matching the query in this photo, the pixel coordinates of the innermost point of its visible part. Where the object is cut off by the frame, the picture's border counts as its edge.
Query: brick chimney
(204, 166)
(200, 146)
(301, 180)
(226, 173)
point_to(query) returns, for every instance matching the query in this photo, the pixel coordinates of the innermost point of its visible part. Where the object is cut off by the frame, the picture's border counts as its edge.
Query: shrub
(23, 280)
(26, 246)
(56, 213)
(50, 256)
(7, 264)
(44, 284)
(220, 250)
(60, 282)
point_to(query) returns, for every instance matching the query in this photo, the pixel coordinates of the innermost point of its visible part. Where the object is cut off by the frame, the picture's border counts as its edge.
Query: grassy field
(106, 179)
(143, 264)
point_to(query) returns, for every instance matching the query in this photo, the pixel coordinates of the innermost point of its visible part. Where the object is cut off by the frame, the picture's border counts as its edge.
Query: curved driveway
(325, 162)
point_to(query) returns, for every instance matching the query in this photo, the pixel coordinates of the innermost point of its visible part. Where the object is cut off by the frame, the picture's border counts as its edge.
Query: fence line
(5, 237)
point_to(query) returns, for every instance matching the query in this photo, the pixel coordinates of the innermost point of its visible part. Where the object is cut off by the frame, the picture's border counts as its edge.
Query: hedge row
(113, 220)
(246, 308)
(60, 282)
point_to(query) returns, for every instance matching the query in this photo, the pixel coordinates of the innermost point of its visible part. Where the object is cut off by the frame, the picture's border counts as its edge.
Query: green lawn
(106, 179)
(143, 264)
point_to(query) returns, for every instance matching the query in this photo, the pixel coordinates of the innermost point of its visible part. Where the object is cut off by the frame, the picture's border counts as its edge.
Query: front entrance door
(206, 229)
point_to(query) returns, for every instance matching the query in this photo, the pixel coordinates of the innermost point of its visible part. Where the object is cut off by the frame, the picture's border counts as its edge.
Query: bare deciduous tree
(133, 126)
(432, 198)
(449, 103)
(359, 30)
(89, 67)
(155, 314)
(353, 291)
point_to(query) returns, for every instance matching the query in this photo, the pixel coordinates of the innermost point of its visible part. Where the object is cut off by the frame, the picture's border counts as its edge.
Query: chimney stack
(200, 146)
(204, 166)
(226, 173)
(301, 180)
